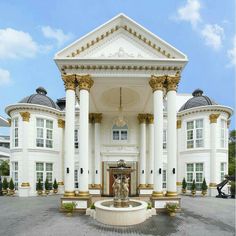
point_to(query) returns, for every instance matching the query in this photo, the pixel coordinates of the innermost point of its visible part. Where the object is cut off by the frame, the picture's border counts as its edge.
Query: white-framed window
(195, 134)
(164, 138)
(44, 133)
(120, 133)
(76, 139)
(223, 170)
(76, 179)
(164, 178)
(14, 174)
(194, 171)
(223, 130)
(15, 132)
(44, 170)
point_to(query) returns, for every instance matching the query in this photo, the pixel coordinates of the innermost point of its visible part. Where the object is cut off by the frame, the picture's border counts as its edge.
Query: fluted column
(157, 85)
(69, 157)
(97, 151)
(172, 83)
(142, 147)
(85, 83)
(213, 140)
(150, 121)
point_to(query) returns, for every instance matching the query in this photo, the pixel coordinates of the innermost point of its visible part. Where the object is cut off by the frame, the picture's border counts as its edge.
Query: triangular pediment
(120, 38)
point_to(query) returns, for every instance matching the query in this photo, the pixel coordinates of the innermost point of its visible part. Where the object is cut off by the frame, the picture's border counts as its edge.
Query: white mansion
(121, 102)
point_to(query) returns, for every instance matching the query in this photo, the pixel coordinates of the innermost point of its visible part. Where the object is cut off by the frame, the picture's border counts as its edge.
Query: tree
(232, 152)
(4, 168)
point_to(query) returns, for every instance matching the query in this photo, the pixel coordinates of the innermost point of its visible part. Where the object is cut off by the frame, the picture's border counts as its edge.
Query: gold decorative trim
(179, 183)
(150, 185)
(85, 82)
(61, 183)
(157, 82)
(9, 121)
(70, 82)
(83, 194)
(173, 81)
(213, 117)
(212, 185)
(96, 117)
(178, 124)
(171, 194)
(25, 116)
(157, 194)
(61, 123)
(150, 118)
(69, 194)
(25, 184)
(142, 118)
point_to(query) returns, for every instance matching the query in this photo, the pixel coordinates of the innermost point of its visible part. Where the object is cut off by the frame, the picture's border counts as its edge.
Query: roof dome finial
(41, 90)
(197, 93)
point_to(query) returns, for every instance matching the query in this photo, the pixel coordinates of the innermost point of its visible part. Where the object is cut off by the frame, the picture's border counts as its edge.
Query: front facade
(121, 102)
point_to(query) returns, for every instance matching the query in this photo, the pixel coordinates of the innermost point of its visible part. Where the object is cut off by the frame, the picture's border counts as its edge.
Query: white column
(213, 140)
(151, 151)
(69, 158)
(172, 82)
(91, 166)
(24, 186)
(97, 151)
(142, 147)
(157, 84)
(85, 83)
(179, 174)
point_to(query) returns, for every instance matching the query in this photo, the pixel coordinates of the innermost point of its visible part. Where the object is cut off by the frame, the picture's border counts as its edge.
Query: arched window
(120, 133)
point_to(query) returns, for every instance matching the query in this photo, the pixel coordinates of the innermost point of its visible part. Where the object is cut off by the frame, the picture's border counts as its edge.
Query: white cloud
(16, 44)
(5, 77)
(56, 34)
(213, 35)
(190, 12)
(232, 53)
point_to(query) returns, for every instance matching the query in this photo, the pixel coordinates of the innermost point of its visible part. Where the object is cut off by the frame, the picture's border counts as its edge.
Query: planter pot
(4, 191)
(11, 192)
(184, 191)
(193, 193)
(47, 192)
(40, 192)
(204, 192)
(171, 213)
(55, 191)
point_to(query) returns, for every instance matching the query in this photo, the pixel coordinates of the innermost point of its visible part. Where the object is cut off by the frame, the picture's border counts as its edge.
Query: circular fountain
(121, 210)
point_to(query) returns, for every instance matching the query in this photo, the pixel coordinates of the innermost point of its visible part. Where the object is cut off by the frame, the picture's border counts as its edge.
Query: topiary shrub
(5, 184)
(184, 185)
(193, 188)
(55, 186)
(11, 185)
(204, 187)
(39, 187)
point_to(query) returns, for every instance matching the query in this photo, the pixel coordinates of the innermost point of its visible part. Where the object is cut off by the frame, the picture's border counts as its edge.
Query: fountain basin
(107, 214)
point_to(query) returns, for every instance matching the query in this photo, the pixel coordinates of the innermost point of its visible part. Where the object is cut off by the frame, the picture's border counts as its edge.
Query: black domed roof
(40, 98)
(197, 100)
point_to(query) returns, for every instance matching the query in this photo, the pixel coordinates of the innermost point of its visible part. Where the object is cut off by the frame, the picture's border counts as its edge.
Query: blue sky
(31, 32)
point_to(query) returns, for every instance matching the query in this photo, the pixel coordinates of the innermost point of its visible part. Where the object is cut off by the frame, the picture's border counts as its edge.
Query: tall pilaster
(142, 147)
(172, 84)
(85, 83)
(69, 158)
(179, 174)
(91, 159)
(157, 85)
(213, 140)
(150, 121)
(97, 151)
(24, 186)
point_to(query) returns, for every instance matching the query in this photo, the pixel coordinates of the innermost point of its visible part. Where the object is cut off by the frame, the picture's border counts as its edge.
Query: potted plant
(47, 186)
(11, 187)
(184, 185)
(39, 187)
(4, 186)
(55, 186)
(193, 188)
(69, 207)
(171, 208)
(204, 187)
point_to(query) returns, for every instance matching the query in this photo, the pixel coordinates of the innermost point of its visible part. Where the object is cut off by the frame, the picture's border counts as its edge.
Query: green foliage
(11, 185)
(4, 168)
(92, 206)
(184, 184)
(39, 186)
(47, 185)
(171, 207)
(193, 187)
(204, 185)
(69, 206)
(232, 152)
(55, 184)
(232, 188)
(5, 184)
(149, 206)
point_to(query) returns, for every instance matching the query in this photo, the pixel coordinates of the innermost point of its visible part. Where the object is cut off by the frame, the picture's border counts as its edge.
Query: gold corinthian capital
(172, 82)
(213, 117)
(157, 82)
(25, 116)
(85, 82)
(69, 82)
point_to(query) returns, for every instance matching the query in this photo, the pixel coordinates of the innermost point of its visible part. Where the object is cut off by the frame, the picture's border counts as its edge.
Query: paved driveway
(40, 216)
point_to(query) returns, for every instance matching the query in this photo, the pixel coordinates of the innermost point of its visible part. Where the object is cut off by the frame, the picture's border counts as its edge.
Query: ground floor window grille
(164, 179)
(194, 172)
(76, 179)
(44, 170)
(15, 174)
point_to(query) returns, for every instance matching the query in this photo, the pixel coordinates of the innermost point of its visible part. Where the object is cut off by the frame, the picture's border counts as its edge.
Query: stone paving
(40, 216)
